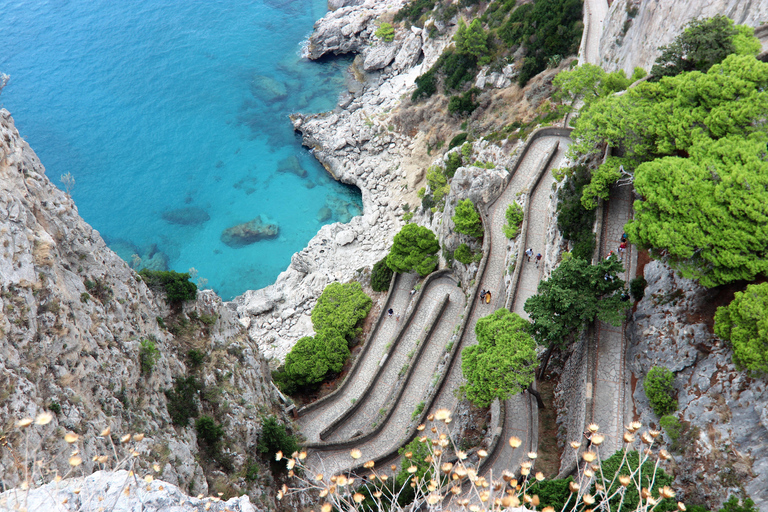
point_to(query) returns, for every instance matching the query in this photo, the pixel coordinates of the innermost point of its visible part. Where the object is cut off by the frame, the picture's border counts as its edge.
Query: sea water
(172, 119)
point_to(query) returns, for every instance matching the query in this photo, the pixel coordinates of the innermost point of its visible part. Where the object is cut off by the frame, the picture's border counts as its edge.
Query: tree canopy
(589, 82)
(472, 40)
(503, 363)
(744, 322)
(467, 220)
(414, 249)
(340, 308)
(576, 293)
(704, 43)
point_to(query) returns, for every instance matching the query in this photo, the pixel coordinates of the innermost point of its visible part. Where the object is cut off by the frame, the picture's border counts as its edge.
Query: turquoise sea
(172, 119)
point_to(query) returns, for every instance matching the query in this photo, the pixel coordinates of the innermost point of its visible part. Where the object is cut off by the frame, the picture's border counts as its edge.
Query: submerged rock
(324, 214)
(249, 232)
(293, 166)
(268, 88)
(187, 216)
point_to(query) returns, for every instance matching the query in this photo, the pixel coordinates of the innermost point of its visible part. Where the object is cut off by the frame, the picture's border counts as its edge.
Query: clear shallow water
(158, 106)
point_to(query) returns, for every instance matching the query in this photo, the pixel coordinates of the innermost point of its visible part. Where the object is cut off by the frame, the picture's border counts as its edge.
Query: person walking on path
(529, 253)
(538, 259)
(390, 312)
(622, 249)
(482, 295)
(487, 297)
(397, 317)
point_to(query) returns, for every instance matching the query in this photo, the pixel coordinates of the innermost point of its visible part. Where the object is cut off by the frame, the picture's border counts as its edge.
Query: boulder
(409, 53)
(268, 88)
(324, 214)
(249, 232)
(292, 165)
(379, 56)
(345, 237)
(187, 216)
(338, 4)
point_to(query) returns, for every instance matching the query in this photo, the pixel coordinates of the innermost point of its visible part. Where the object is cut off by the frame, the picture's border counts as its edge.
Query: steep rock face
(72, 316)
(726, 406)
(635, 29)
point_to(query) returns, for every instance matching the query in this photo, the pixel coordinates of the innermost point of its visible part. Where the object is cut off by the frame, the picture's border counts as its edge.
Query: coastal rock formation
(249, 232)
(72, 319)
(672, 328)
(96, 490)
(634, 29)
(187, 216)
(292, 165)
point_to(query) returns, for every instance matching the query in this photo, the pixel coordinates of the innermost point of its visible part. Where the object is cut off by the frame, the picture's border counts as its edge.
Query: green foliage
(438, 183)
(546, 28)
(552, 493)
(381, 276)
(458, 140)
(637, 287)
(417, 411)
(744, 323)
(182, 403)
(209, 431)
(467, 220)
(55, 408)
(251, 471)
(464, 254)
(195, 357)
(704, 43)
(573, 220)
(178, 288)
(735, 505)
(503, 363)
(426, 85)
(671, 426)
(275, 438)
(414, 249)
(454, 162)
(98, 288)
(659, 390)
(386, 32)
(588, 82)
(312, 359)
(637, 74)
(419, 452)
(464, 103)
(472, 40)
(576, 293)
(514, 217)
(617, 464)
(148, 355)
(340, 308)
(414, 10)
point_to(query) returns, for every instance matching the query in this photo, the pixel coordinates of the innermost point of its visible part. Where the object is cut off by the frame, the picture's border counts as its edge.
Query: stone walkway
(333, 459)
(607, 374)
(313, 422)
(595, 12)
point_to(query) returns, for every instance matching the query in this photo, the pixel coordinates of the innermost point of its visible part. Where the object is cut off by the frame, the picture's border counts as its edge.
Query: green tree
(275, 438)
(659, 390)
(381, 276)
(414, 249)
(467, 220)
(514, 216)
(386, 32)
(177, 286)
(148, 355)
(340, 309)
(744, 323)
(209, 432)
(503, 363)
(472, 40)
(582, 82)
(704, 43)
(464, 254)
(576, 293)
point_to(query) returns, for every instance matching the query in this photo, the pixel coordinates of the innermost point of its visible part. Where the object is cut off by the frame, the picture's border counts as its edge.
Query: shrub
(386, 32)
(467, 220)
(458, 140)
(251, 471)
(177, 286)
(514, 220)
(182, 403)
(55, 408)
(209, 432)
(311, 359)
(275, 438)
(735, 505)
(195, 357)
(659, 390)
(553, 493)
(414, 249)
(464, 103)
(381, 276)
(573, 220)
(744, 323)
(426, 85)
(637, 287)
(340, 308)
(464, 254)
(454, 162)
(617, 464)
(148, 355)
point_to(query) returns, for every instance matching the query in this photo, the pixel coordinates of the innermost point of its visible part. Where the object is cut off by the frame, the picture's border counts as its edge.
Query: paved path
(334, 459)
(316, 420)
(607, 374)
(595, 13)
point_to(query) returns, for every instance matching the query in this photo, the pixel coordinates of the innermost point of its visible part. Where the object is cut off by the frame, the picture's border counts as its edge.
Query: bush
(340, 308)
(182, 403)
(386, 32)
(464, 103)
(195, 357)
(659, 390)
(312, 359)
(458, 140)
(467, 220)
(454, 162)
(553, 493)
(514, 220)
(177, 286)
(630, 499)
(275, 438)
(209, 432)
(744, 323)
(148, 355)
(381, 276)
(426, 85)
(573, 220)
(637, 287)
(464, 254)
(735, 505)
(412, 11)
(414, 249)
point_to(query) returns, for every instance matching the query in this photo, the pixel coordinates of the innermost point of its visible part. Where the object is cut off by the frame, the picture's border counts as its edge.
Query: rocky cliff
(634, 29)
(72, 319)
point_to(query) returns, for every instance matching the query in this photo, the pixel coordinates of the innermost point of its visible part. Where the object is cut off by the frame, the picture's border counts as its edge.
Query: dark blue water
(172, 119)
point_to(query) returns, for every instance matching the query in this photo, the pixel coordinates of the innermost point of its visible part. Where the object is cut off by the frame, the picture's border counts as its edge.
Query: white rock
(345, 237)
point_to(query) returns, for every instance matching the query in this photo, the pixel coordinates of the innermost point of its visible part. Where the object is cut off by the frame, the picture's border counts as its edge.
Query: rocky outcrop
(187, 216)
(72, 319)
(672, 328)
(634, 29)
(249, 232)
(119, 490)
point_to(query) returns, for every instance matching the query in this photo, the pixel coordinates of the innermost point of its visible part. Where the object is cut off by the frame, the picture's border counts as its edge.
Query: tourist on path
(482, 295)
(538, 259)
(529, 253)
(487, 297)
(390, 312)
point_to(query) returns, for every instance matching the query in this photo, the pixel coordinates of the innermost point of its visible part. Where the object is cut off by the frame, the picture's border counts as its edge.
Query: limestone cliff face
(72, 315)
(634, 29)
